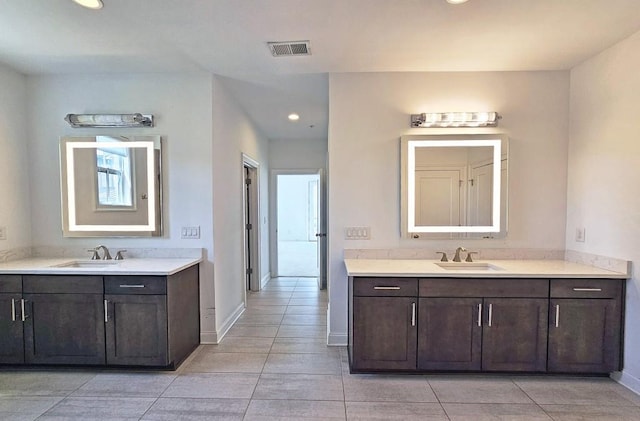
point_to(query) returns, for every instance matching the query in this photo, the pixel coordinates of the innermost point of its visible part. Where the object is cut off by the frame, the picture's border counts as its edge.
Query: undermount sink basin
(468, 266)
(87, 264)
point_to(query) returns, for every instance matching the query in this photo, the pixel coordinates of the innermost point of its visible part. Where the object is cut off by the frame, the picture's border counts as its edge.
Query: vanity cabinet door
(384, 333)
(450, 334)
(64, 329)
(136, 330)
(514, 336)
(11, 334)
(584, 335)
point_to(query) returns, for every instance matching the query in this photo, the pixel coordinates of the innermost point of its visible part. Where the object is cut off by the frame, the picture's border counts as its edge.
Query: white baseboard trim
(627, 380)
(266, 278)
(208, 338)
(337, 339)
(216, 337)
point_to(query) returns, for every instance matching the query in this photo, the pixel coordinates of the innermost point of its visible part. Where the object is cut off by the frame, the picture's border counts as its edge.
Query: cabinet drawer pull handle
(588, 289)
(557, 315)
(24, 315)
(480, 314)
(490, 314)
(131, 286)
(13, 310)
(387, 288)
(413, 314)
(106, 311)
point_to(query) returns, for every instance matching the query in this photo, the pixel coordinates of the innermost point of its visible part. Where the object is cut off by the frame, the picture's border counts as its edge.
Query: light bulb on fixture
(456, 1)
(294, 117)
(90, 4)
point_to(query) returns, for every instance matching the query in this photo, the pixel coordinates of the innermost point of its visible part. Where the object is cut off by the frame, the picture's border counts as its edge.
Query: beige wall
(370, 111)
(604, 171)
(15, 207)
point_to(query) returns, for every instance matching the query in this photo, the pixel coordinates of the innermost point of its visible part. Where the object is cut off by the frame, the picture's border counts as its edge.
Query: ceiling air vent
(289, 48)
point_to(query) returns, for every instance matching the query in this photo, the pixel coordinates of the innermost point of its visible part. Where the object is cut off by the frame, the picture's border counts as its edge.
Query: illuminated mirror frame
(408, 169)
(152, 151)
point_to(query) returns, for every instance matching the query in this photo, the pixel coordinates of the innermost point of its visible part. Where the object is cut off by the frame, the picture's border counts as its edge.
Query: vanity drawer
(586, 288)
(480, 287)
(385, 287)
(138, 285)
(11, 283)
(62, 284)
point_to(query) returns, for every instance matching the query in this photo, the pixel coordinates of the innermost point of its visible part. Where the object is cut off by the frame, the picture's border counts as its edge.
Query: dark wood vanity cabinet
(64, 321)
(383, 324)
(95, 320)
(585, 323)
(151, 320)
(11, 334)
(482, 324)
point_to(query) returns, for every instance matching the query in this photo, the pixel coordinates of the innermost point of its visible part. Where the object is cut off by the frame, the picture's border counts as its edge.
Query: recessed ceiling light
(294, 117)
(90, 4)
(456, 1)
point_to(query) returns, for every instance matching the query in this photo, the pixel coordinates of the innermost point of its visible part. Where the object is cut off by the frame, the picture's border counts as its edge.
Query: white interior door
(321, 235)
(481, 195)
(439, 197)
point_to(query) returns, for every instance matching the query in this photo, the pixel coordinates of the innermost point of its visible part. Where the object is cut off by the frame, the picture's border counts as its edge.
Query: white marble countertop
(501, 269)
(133, 266)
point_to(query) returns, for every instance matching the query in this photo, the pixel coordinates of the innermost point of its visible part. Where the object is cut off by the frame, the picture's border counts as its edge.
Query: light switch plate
(357, 233)
(190, 233)
(3, 233)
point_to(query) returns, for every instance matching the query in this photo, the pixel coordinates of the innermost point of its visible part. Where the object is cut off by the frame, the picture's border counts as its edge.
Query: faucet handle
(95, 255)
(119, 255)
(469, 258)
(444, 256)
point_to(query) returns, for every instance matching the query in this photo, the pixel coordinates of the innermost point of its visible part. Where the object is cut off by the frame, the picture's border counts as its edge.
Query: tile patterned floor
(274, 365)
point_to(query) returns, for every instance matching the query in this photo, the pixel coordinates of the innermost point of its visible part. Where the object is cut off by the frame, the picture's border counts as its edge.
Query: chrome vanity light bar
(109, 120)
(456, 119)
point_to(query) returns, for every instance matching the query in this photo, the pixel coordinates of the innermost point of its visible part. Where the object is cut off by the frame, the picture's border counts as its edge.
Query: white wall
(295, 205)
(294, 154)
(182, 106)
(368, 114)
(234, 134)
(604, 172)
(15, 207)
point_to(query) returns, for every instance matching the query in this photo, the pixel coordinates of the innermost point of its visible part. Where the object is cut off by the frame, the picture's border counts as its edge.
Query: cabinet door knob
(413, 314)
(13, 310)
(557, 315)
(490, 314)
(588, 289)
(480, 315)
(106, 311)
(380, 288)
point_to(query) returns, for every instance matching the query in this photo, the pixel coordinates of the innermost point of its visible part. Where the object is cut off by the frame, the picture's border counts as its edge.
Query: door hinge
(249, 226)
(249, 271)
(247, 181)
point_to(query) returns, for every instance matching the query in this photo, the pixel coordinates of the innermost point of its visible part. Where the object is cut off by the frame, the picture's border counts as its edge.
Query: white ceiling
(228, 37)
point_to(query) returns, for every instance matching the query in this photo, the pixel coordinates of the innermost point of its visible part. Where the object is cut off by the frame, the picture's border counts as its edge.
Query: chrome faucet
(106, 255)
(457, 258)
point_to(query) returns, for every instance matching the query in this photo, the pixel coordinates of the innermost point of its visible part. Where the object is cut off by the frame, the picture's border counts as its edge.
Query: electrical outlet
(3, 233)
(357, 233)
(580, 234)
(190, 233)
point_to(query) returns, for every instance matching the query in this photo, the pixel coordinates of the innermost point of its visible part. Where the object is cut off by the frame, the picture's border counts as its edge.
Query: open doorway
(299, 241)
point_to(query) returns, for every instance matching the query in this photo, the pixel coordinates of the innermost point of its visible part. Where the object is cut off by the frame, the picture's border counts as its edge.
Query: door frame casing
(254, 219)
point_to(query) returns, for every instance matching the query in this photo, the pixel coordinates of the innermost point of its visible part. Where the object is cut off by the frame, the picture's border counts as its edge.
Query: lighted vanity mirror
(111, 186)
(454, 186)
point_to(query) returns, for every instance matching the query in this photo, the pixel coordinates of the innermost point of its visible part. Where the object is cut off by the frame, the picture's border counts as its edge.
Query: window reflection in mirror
(114, 184)
(454, 186)
(111, 186)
